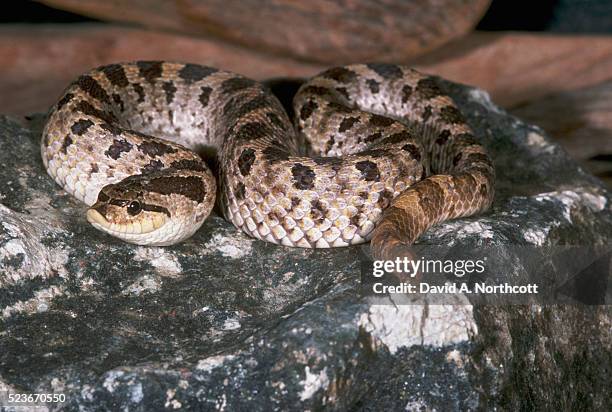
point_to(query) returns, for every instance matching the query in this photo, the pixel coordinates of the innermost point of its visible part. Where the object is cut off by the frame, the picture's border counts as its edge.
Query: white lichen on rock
(213, 362)
(164, 262)
(482, 97)
(539, 142)
(462, 229)
(536, 236)
(571, 199)
(313, 382)
(231, 324)
(419, 323)
(23, 256)
(234, 246)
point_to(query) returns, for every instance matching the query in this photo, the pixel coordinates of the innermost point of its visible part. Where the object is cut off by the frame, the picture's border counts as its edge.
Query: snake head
(140, 210)
(126, 214)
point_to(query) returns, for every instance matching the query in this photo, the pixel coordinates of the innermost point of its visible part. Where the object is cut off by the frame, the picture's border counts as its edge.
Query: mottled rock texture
(226, 322)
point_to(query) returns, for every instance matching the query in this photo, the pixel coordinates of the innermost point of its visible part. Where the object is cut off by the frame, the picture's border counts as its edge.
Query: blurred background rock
(548, 62)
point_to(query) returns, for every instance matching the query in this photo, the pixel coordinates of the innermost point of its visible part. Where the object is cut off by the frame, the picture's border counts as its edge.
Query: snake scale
(376, 151)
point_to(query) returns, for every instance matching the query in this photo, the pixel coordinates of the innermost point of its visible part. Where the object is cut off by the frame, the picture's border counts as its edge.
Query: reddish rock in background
(520, 67)
(39, 61)
(581, 120)
(331, 32)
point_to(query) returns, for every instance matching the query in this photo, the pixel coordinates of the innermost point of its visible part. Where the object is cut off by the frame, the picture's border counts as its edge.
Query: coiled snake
(377, 152)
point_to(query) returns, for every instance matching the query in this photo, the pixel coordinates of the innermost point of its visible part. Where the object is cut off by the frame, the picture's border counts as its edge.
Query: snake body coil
(388, 155)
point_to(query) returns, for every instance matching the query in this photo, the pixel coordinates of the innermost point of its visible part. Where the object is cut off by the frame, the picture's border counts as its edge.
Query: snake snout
(141, 230)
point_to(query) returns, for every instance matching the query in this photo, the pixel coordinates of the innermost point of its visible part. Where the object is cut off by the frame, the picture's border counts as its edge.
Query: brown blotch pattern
(67, 142)
(413, 150)
(275, 153)
(195, 72)
(153, 166)
(330, 143)
(303, 177)
(307, 109)
(340, 74)
(398, 137)
(428, 88)
(150, 70)
(347, 123)
(119, 146)
(115, 75)
(252, 131)
(153, 148)
(406, 93)
(275, 120)
(451, 114)
(245, 161)
(64, 100)
(170, 90)
(332, 161)
(235, 84)
(373, 137)
(380, 121)
(385, 70)
(118, 101)
(188, 164)
(81, 126)
(343, 92)
(317, 211)
(139, 91)
(91, 86)
(109, 127)
(86, 108)
(317, 90)
(237, 109)
(369, 170)
(204, 95)
(191, 187)
(373, 85)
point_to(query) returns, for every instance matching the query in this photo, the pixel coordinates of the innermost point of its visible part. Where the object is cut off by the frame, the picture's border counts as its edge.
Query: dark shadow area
(23, 11)
(564, 16)
(518, 15)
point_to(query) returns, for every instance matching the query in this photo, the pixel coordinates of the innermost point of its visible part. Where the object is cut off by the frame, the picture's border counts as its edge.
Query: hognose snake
(377, 152)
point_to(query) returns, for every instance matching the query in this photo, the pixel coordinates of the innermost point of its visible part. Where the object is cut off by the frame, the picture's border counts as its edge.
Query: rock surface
(225, 322)
(339, 32)
(522, 67)
(581, 120)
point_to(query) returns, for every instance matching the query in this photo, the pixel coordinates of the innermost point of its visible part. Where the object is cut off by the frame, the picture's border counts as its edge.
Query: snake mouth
(135, 228)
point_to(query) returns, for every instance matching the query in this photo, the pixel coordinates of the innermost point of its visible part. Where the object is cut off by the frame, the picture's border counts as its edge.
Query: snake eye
(134, 208)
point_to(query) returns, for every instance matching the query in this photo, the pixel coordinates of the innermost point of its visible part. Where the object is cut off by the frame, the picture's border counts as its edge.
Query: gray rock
(226, 322)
